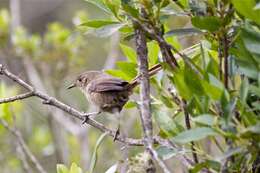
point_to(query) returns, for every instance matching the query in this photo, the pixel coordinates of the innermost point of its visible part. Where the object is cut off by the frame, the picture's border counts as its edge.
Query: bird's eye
(79, 79)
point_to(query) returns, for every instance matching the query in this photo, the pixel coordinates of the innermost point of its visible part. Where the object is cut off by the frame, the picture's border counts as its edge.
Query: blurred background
(41, 41)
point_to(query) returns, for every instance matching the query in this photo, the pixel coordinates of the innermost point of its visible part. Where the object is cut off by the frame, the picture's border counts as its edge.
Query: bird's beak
(71, 86)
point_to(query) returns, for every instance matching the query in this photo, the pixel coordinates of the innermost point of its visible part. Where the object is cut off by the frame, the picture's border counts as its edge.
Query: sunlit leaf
(75, 169)
(98, 23)
(129, 53)
(128, 68)
(62, 168)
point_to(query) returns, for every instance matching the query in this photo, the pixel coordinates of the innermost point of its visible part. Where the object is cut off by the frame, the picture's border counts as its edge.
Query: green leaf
(247, 65)
(244, 90)
(113, 6)
(181, 86)
(183, 32)
(119, 74)
(166, 153)
(210, 23)
(194, 135)
(130, 10)
(213, 91)
(98, 23)
(165, 122)
(112, 169)
(95, 155)
(129, 53)
(205, 119)
(75, 169)
(128, 68)
(251, 40)
(130, 104)
(62, 168)
(193, 81)
(153, 52)
(246, 8)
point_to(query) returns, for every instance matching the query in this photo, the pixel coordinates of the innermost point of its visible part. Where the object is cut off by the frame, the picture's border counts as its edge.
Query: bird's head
(83, 79)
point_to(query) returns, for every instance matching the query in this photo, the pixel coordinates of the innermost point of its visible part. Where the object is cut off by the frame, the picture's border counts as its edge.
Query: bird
(107, 93)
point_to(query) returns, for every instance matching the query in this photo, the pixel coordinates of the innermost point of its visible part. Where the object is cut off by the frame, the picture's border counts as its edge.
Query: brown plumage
(107, 93)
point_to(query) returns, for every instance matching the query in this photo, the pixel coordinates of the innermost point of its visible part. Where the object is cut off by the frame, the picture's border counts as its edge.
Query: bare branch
(23, 145)
(17, 97)
(21, 154)
(146, 117)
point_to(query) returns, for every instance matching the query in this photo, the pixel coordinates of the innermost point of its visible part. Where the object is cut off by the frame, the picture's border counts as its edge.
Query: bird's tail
(152, 71)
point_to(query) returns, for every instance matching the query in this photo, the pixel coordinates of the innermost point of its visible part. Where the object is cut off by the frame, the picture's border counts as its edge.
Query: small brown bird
(107, 93)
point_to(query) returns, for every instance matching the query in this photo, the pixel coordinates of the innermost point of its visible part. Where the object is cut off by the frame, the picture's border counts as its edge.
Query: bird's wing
(107, 84)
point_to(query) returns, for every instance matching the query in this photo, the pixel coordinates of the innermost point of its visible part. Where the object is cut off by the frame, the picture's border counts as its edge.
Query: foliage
(215, 98)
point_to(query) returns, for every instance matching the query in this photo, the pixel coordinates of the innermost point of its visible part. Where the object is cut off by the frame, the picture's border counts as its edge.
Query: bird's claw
(116, 134)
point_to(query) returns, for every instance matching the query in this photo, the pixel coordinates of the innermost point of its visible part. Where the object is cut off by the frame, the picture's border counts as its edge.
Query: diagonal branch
(72, 111)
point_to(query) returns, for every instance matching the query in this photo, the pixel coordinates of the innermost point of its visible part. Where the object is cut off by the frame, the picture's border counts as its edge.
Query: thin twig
(17, 97)
(188, 125)
(23, 145)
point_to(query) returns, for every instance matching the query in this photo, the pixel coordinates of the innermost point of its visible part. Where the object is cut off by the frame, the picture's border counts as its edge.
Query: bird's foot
(116, 134)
